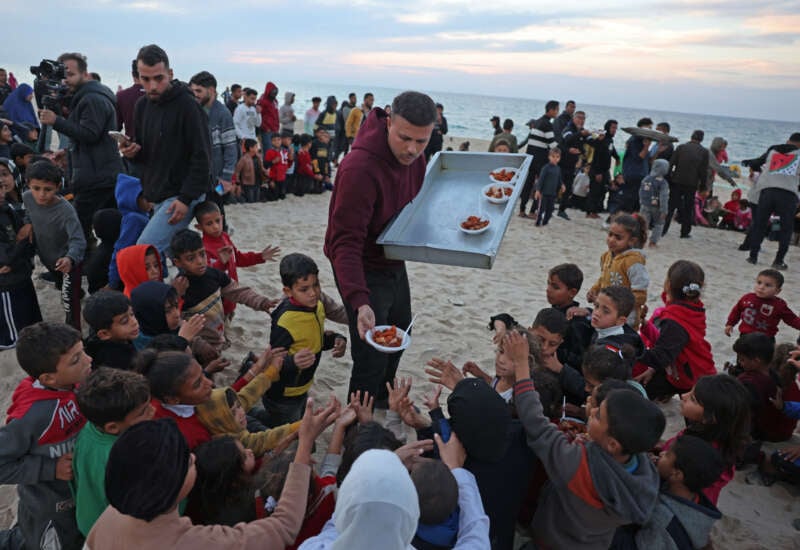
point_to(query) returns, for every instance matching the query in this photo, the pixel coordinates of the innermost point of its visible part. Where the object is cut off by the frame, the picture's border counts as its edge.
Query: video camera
(49, 84)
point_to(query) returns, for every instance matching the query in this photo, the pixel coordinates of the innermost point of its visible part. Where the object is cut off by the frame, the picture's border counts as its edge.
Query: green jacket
(89, 475)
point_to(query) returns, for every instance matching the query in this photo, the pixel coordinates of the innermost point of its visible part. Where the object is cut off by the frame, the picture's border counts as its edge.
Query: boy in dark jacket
(596, 486)
(42, 425)
(548, 186)
(113, 329)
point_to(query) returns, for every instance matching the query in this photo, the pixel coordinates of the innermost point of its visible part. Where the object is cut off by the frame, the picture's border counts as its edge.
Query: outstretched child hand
(271, 253)
(180, 284)
(269, 305)
(444, 373)
(192, 326)
(452, 453)
(362, 404)
(216, 365)
(346, 417)
(64, 467)
(397, 392)
(409, 415)
(225, 253)
(313, 424)
(5, 269)
(410, 452)
(472, 368)
(590, 296)
(432, 399)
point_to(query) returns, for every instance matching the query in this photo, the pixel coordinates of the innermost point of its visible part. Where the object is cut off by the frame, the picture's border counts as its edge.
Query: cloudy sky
(727, 57)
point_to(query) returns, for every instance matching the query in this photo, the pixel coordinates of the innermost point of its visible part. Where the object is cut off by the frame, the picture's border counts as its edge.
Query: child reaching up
(623, 264)
(221, 253)
(681, 354)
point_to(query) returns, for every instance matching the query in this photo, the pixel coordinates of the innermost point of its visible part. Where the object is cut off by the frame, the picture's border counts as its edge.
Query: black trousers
(597, 193)
(784, 204)
(390, 299)
(527, 189)
(685, 209)
(674, 197)
(70, 286)
(88, 202)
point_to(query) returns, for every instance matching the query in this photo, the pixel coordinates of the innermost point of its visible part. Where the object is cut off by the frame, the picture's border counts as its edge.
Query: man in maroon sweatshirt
(382, 173)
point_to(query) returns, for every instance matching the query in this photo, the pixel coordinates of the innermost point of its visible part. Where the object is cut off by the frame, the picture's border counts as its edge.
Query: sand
(454, 305)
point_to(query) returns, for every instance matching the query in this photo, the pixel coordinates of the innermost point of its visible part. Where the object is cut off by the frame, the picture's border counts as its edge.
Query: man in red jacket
(268, 106)
(382, 174)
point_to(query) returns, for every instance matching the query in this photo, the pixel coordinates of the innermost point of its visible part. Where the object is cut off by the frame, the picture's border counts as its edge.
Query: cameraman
(94, 160)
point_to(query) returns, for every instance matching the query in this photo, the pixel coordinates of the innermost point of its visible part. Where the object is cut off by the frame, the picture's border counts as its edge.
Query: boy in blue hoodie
(41, 428)
(135, 214)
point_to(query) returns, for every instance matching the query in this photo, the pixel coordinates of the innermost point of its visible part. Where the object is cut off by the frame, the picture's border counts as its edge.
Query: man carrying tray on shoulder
(383, 172)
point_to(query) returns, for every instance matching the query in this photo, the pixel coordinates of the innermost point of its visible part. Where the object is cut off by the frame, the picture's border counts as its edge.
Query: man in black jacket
(94, 160)
(572, 139)
(688, 169)
(172, 148)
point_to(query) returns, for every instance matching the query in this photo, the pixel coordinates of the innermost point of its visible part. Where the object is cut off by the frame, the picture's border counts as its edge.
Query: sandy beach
(454, 304)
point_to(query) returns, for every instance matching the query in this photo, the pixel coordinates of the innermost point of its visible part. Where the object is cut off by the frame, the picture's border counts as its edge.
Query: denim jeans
(159, 232)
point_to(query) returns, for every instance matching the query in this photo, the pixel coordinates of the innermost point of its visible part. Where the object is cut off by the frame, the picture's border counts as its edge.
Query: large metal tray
(427, 229)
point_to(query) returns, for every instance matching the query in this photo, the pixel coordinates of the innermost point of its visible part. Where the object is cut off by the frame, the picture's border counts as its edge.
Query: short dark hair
(551, 319)
(602, 363)
(698, 135)
(550, 105)
(437, 491)
(622, 297)
(41, 345)
(508, 124)
(248, 143)
(100, 308)
(204, 79)
(108, 395)
(185, 241)
(166, 371)
(235, 87)
(700, 463)
(134, 69)
(360, 439)
(316, 98)
(579, 113)
(664, 125)
(44, 170)
(305, 139)
(368, 94)
(417, 108)
(250, 91)
(755, 345)
(610, 122)
(205, 207)
(151, 55)
(646, 121)
(773, 274)
(570, 102)
(795, 137)
(634, 421)
(609, 385)
(20, 150)
(294, 267)
(79, 59)
(569, 274)
(96, 77)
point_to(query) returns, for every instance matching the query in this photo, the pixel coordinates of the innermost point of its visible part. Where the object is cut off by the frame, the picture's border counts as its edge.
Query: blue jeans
(159, 232)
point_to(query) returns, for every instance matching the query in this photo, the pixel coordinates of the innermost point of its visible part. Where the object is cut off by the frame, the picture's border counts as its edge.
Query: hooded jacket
(286, 113)
(130, 263)
(327, 118)
(94, 160)
(176, 150)
(269, 109)
(18, 109)
(148, 301)
(110, 353)
(216, 415)
(133, 222)
(371, 188)
(678, 524)
(18, 255)
(654, 191)
(589, 494)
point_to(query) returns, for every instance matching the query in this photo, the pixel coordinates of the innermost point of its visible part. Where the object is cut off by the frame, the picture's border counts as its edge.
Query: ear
(572, 292)
(613, 446)
(621, 320)
(171, 75)
(198, 227)
(287, 291)
(676, 476)
(47, 379)
(112, 428)
(104, 334)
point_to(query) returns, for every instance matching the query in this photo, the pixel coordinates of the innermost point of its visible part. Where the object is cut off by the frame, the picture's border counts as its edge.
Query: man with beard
(172, 148)
(94, 161)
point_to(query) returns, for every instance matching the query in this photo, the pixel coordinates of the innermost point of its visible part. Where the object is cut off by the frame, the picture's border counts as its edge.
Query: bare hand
(537, 195)
(728, 330)
(591, 296)
(409, 452)
(271, 253)
(778, 399)
(64, 467)
(432, 399)
(180, 284)
(304, 358)
(64, 265)
(225, 253)
(5, 270)
(646, 376)
(339, 347)
(226, 185)
(216, 365)
(452, 453)
(576, 311)
(25, 232)
(192, 326)
(130, 150)
(517, 349)
(362, 405)
(46, 116)
(574, 151)
(397, 392)
(366, 320)
(790, 453)
(444, 373)
(470, 367)
(315, 422)
(178, 211)
(346, 417)
(410, 415)
(270, 356)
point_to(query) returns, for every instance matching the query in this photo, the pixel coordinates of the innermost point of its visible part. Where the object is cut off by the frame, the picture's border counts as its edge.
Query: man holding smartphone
(94, 160)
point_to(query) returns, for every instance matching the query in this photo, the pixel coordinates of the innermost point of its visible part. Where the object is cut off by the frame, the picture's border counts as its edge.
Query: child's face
(324, 137)
(253, 151)
(618, 239)
(248, 459)
(286, 141)
(5, 134)
(210, 224)
(33, 135)
(196, 387)
(44, 192)
(172, 315)
(549, 341)
(619, 179)
(502, 148)
(192, 262)
(606, 314)
(766, 287)
(553, 158)
(591, 400)
(502, 363)
(72, 368)
(559, 294)
(276, 142)
(691, 409)
(124, 327)
(590, 385)
(152, 266)
(666, 464)
(6, 182)
(305, 291)
(140, 413)
(239, 415)
(597, 428)
(748, 363)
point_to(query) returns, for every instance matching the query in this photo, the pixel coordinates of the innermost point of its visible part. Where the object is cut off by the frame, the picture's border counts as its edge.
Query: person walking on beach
(382, 174)
(541, 139)
(635, 166)
(600, 173)
(175, 172)
(688, 172)
(779, 183)
(572, 139)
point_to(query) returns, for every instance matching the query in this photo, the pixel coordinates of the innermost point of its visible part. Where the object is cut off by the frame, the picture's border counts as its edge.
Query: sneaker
(562, 214)
(686, 236)
(751, 260)
(780, 265)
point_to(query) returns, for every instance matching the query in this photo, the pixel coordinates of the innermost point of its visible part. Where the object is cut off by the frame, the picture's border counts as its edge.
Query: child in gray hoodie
(654, 199)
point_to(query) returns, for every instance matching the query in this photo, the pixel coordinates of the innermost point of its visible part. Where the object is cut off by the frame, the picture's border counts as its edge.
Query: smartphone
(121, 138)
(219, 189)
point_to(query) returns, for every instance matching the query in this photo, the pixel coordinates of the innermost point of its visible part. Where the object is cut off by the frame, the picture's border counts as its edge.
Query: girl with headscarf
(18, 106)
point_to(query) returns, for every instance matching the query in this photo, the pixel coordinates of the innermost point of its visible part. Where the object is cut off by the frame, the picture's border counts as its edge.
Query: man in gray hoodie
(286, 114)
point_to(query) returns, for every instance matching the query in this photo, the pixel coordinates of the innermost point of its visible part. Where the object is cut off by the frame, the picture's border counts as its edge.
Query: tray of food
(462, 211)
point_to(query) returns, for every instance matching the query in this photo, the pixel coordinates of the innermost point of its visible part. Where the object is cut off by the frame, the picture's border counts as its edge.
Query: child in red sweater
(762, 310)
(277, 161)
(305, 178)
(222, 254)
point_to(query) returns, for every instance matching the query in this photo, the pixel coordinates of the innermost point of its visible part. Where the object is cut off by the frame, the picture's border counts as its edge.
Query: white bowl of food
(497, 193)
(388, 338)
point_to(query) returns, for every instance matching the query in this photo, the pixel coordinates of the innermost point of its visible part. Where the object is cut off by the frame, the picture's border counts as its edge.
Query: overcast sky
(727, 57)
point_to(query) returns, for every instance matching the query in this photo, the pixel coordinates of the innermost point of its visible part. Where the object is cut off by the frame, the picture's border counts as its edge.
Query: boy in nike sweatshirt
(595, 486)
(42, 425)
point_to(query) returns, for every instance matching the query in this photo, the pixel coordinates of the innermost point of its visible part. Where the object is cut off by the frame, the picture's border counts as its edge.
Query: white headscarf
(377, 506)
